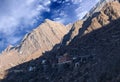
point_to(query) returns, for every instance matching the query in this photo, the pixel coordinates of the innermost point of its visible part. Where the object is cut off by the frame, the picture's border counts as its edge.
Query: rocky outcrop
(43, 38)
(109, 12)
(74, 29)
(34, 44)
(93, 51)
(96, 58)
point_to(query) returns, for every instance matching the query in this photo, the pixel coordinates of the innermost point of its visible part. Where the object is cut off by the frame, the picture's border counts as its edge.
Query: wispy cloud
(85, 6)
(19, 14)
(76, 1)
(73, 10)
(20, 11)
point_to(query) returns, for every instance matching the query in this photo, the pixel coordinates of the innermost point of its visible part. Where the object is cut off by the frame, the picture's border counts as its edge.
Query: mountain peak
(48, 20)
(35, 43)
(43, 38)
(91, 45)
(99, 6)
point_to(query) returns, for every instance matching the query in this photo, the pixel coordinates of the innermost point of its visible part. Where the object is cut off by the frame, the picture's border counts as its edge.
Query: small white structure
(43, 61)
(31, 68)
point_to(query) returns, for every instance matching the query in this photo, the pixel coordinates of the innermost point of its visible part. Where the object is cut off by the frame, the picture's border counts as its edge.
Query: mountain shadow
(94, 57)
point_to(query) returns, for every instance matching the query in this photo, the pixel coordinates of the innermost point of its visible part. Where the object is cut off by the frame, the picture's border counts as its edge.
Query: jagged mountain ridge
(97, 7)
(99, 38)
(43, 38)
(33, 44)
(110, 11)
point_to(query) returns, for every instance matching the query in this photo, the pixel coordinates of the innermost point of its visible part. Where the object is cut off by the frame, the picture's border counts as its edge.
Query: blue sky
(18, 17)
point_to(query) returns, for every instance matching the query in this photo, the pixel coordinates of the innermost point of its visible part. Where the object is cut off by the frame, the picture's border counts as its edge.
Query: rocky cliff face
(41, 39)
(75, 29)
(93, 50)
(109, 12)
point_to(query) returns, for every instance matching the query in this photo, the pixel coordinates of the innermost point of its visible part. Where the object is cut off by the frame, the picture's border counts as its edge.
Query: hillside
(41, 39)
(87, 52)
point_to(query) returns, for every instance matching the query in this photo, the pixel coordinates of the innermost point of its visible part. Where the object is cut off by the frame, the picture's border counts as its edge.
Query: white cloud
(21, 10)
(84, 7)
(82, 14)
(13, 39)
(15, 13)
(58, 19)
(8, 25)
(22, 14)
(76, 1)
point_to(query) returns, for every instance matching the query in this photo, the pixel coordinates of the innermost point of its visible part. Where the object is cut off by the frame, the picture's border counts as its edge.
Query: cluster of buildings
(66, 61)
